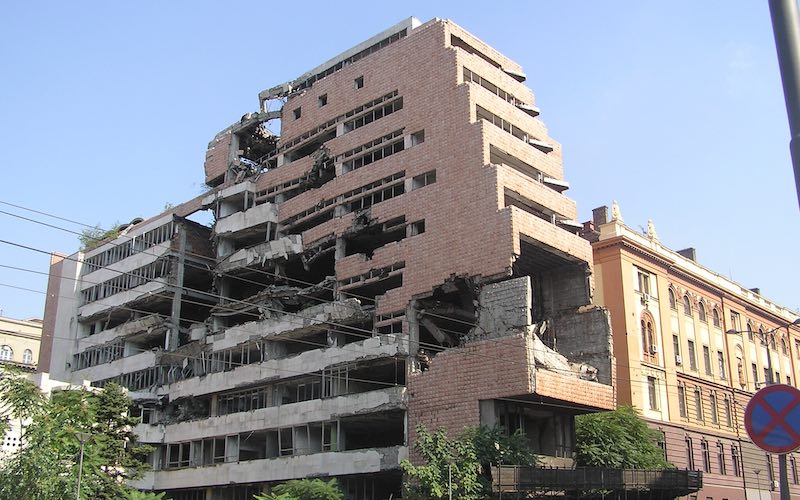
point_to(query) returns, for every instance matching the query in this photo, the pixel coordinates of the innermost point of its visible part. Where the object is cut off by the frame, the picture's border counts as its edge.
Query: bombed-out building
(402, 253)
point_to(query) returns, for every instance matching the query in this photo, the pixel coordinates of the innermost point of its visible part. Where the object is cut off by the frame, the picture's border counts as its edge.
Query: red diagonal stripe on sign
(778, 420)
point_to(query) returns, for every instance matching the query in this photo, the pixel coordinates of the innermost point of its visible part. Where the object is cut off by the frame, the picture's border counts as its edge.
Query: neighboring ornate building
(19, 345)
(680, 362)
(19, 341)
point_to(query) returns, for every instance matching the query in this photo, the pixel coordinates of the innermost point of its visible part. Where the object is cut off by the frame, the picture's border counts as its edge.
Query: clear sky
(675, 109)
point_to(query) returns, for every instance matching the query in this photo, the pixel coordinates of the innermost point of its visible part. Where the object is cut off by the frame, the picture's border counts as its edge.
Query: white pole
(450, 481)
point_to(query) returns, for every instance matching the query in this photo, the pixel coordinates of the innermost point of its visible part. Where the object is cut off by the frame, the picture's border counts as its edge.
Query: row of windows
(722, 464)
(98, 355)
(699, 409)
(132, 246)
(322, 100)
(735, 323)
(299, 440)
(127, 281)
(471, 76)
(701, 309)
(737, 466)
(484, 114)
(374, 114)
(7, 354)
(324, 127)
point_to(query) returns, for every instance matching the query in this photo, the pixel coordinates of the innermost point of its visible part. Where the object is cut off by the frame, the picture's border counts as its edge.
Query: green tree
(92, 237)
(462, 463)
(116, 456)
(618, 439)
(304, 489)
(142, 495)
(46, 465)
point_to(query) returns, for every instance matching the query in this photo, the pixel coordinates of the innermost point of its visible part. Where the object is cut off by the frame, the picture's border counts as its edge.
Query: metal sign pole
(786, 27)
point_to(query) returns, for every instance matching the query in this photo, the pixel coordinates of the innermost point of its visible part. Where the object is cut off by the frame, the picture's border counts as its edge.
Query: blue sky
(675, 109)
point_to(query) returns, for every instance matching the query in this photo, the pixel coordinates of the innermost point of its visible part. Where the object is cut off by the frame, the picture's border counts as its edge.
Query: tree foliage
(305, 489)
(462, 463)
(46, 465)
(92, 237)
(618, 439)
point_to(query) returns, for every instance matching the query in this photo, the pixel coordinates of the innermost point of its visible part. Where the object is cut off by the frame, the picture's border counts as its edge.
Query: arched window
(740, 366)
(27, 356)
(6, 353)
(715, 317)
(772, 341)
(672, 304)
(784, 347)
(649, 345)
(701, 312)
(749, 331)
(687, 306)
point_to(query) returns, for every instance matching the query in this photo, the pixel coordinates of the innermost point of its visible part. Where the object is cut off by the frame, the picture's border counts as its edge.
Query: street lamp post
(82, 437)
(782, 469)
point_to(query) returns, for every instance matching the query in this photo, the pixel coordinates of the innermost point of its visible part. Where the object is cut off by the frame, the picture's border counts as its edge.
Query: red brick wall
(216, 163)
(447, 394)
(466, 232)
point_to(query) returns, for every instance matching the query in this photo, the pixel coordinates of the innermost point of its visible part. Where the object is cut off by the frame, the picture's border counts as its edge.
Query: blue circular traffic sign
(772, 418)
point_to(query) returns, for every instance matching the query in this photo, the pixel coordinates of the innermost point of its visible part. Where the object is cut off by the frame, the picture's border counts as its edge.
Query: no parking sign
(772, 418)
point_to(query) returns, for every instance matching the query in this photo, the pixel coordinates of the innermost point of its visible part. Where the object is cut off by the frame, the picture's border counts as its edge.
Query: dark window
(698, 404)
(682, 400)
(737, 471)
(297, 113)
(721, 364)
(692, 356)
(358, 82)
(721, 458)
(770, 470)
(715, 317)
(672, 303)
(706, 456)
(728, 420)
(652, 391)
(689, 454)
(687, 306)
(322, 100)
(701, 312)
(707, 359)
(712, 399)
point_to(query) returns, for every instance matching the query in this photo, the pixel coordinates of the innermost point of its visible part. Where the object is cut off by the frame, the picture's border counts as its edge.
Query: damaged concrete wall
(281, 248)
(566, 288)
(584, 336)
(503, 307)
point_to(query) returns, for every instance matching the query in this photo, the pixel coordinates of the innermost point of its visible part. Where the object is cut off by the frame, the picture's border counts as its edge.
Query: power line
(193, 254)
(219, 297)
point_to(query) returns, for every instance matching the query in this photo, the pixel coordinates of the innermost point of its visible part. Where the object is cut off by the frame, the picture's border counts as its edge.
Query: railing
(509, 478)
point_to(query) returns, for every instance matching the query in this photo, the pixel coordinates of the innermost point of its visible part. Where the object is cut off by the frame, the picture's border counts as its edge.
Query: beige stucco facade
(19, 341)
(690, 379)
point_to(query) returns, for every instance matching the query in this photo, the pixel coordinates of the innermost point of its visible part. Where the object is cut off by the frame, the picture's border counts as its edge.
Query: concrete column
(173, 335)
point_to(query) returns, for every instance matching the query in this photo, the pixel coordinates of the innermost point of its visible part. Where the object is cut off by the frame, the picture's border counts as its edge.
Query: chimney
(600, 216)
(690, 253)
(756, 291)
